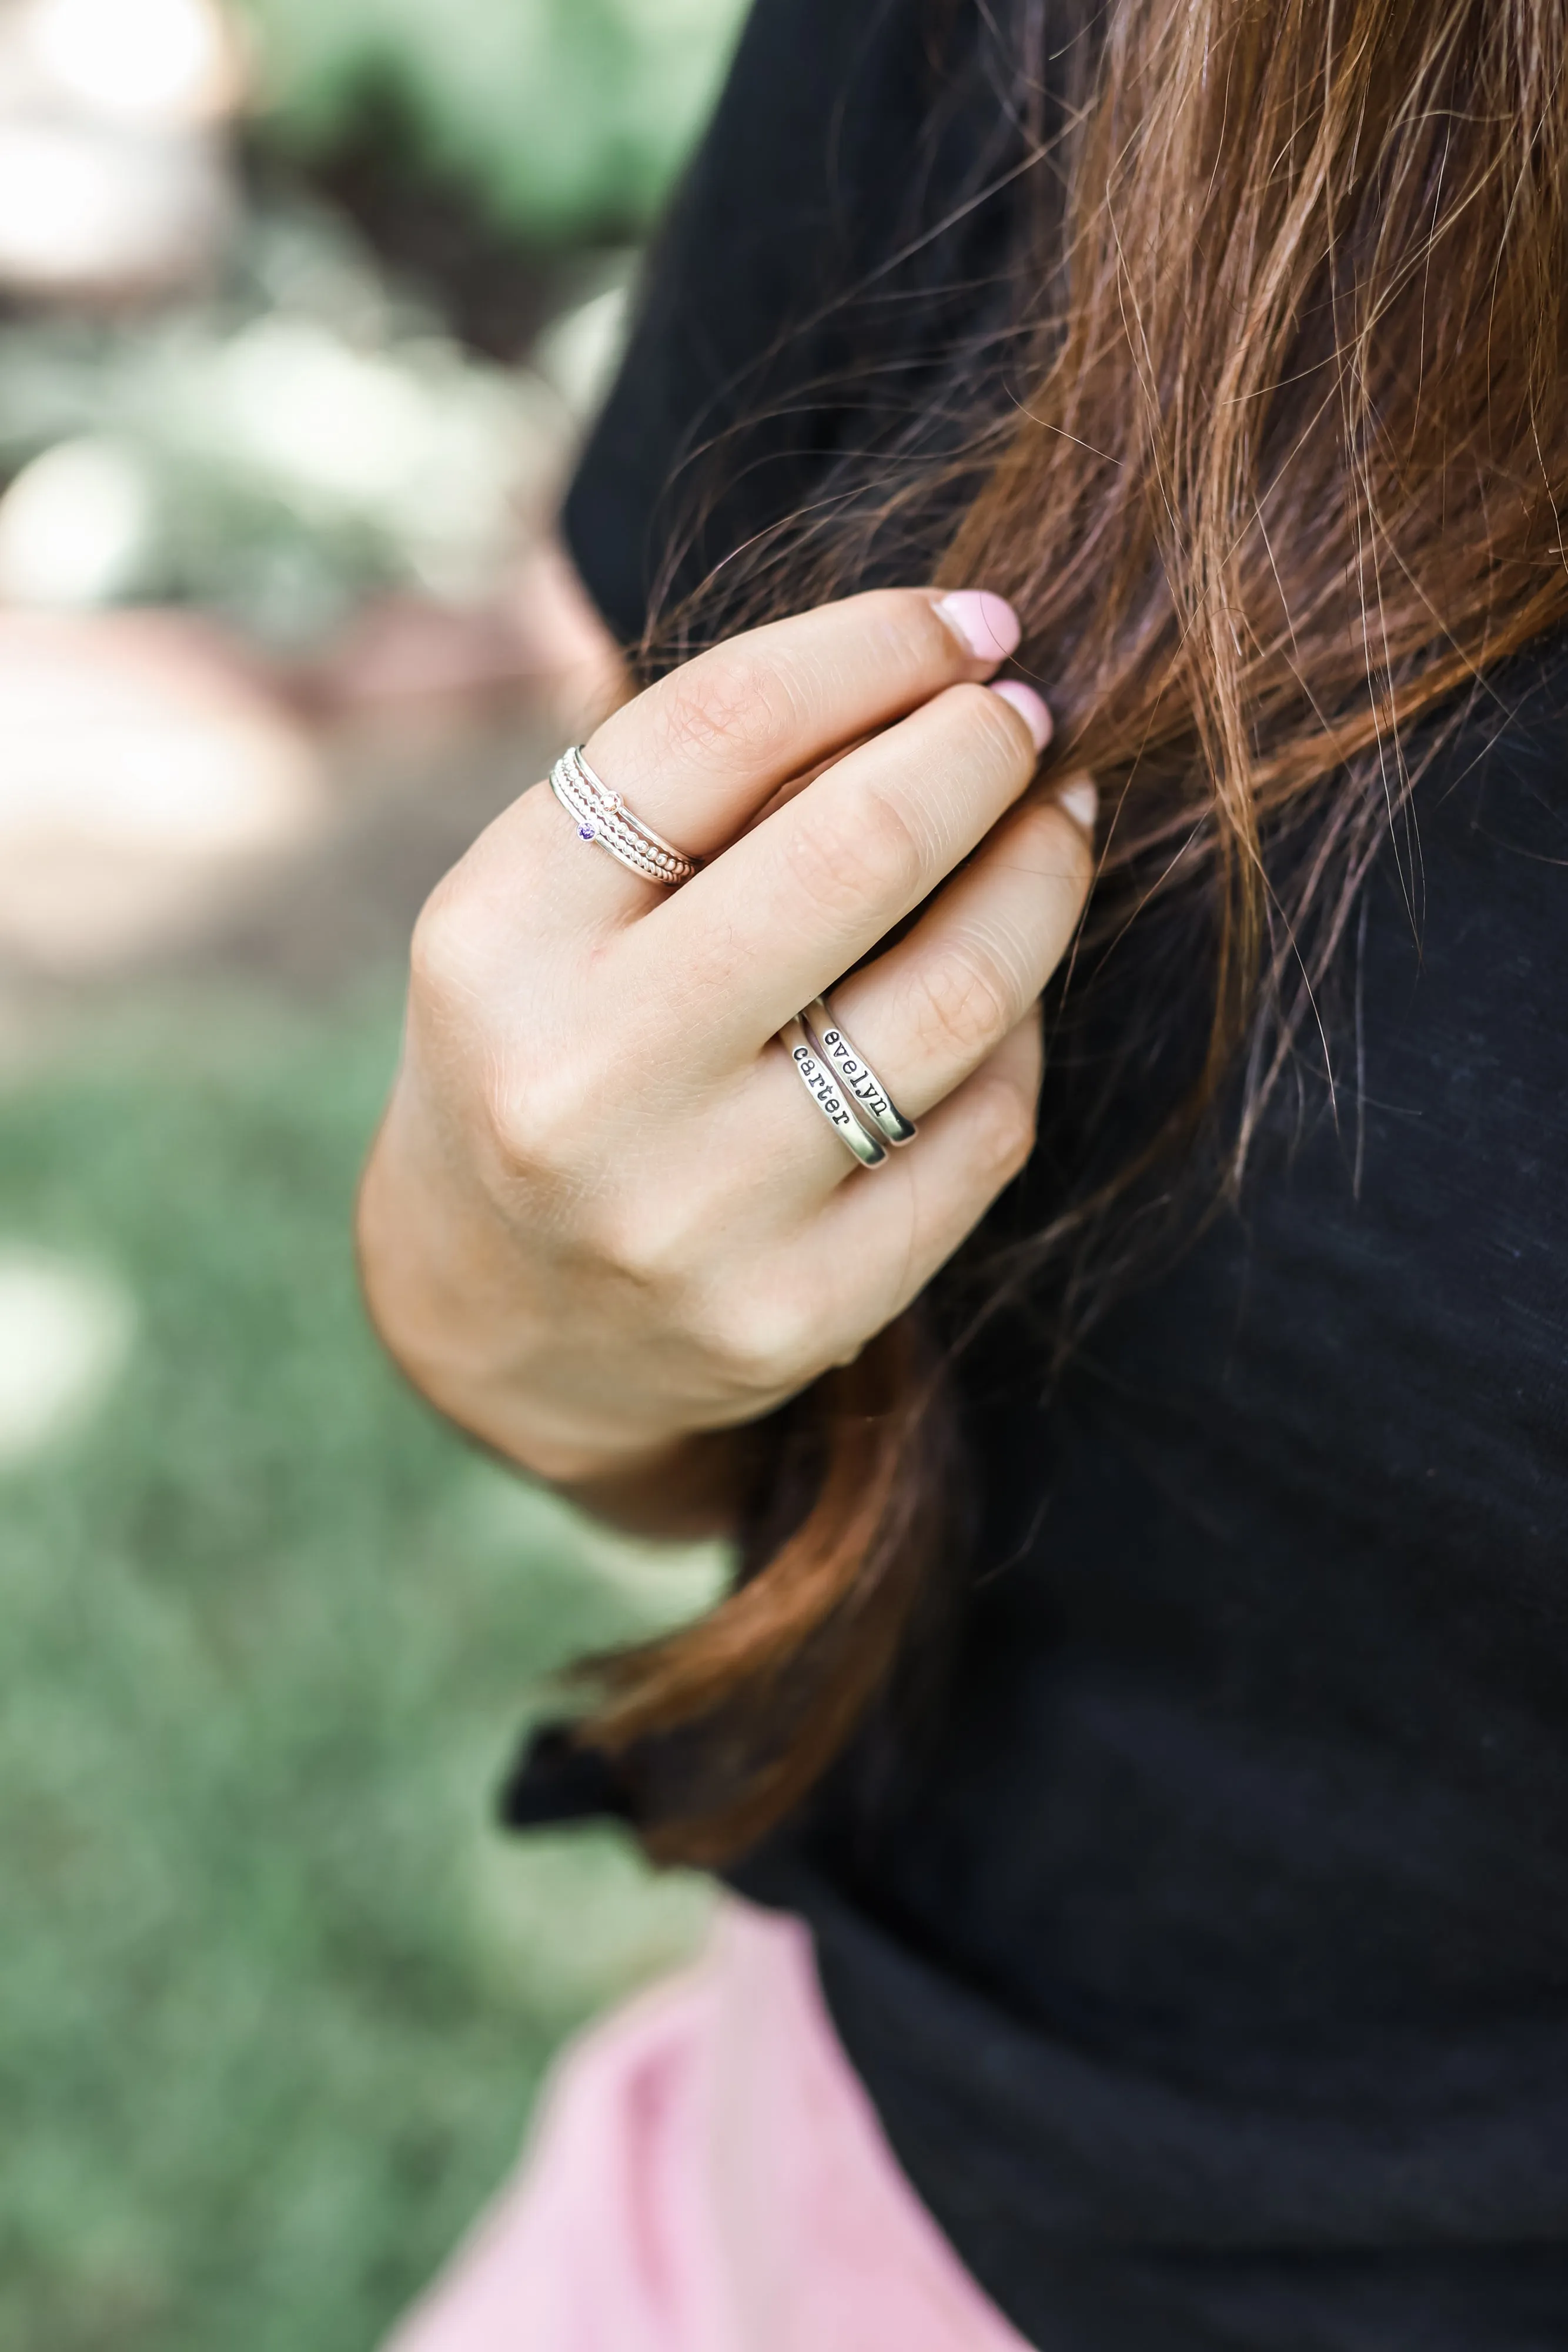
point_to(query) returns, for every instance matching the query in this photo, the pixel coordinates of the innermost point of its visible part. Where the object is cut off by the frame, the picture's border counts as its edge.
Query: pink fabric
(708, 2176)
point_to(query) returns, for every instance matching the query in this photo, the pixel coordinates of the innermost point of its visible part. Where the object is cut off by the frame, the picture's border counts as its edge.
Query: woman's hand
(602, 1215)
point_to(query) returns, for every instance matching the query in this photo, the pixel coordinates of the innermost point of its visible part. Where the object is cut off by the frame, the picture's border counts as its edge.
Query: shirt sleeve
(802, 277)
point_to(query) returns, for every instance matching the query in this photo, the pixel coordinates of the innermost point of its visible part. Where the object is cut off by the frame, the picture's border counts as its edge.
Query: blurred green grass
(274, 1993)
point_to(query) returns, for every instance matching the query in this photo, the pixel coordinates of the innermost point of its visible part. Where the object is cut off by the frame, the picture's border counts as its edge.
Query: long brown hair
(1284, 474)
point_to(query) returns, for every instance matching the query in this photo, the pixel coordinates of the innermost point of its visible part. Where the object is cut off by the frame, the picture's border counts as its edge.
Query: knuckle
(1003, 1125)
(538, 1112)
(444, 953)
(647, 1237)
(761, 1341)
(919, 640)
(1080, 865)
(992, 730)
(1072, 852)
(965, 1005)
(729, 704)
(850, 855)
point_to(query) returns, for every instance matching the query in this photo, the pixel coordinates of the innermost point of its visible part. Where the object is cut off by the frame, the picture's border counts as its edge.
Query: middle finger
(931, 1010)
(792, 905)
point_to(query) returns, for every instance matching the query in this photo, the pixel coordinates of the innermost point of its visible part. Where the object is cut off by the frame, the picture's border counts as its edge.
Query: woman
(1147, 1677)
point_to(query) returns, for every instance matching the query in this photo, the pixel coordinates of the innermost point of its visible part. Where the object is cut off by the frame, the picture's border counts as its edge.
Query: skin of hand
(602, 1224)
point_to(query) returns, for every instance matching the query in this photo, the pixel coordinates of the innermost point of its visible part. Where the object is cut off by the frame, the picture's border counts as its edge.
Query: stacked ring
(819, 1084)
(856, 1076)
(601, 815)
(843, 1086)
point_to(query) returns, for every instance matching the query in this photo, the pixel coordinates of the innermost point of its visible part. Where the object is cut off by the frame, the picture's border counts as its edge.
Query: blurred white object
(439, 454)
(65, 1333)
(580, 354)
(74, 526)
(305, 443)
(112, 178)
(348, 426)
(87, 210)
(144, 772)
(150, 62)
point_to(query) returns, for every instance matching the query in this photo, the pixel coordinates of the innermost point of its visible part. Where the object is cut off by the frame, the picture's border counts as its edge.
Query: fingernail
(1081, 799)
(986, 625)
(1029, 705)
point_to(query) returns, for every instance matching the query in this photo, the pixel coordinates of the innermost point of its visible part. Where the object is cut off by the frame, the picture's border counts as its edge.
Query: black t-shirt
(1207, 1954)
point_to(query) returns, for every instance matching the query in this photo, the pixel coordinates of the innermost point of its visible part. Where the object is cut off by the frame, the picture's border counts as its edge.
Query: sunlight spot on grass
(65, 1332)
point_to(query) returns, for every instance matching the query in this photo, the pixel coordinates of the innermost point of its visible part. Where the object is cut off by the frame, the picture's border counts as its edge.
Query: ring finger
(927, 1013)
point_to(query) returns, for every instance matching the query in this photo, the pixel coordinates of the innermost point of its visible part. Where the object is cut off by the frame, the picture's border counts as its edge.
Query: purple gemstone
(586, 832)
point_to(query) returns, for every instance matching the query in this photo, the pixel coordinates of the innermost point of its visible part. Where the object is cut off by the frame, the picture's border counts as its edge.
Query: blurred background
(303, 304)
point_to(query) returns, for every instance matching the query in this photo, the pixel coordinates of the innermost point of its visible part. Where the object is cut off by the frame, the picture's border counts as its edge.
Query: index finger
(701, 751)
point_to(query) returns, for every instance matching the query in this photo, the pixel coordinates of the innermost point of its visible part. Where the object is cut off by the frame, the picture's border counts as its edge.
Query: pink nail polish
(1081, 799)
(986, 624)
(1030, 709)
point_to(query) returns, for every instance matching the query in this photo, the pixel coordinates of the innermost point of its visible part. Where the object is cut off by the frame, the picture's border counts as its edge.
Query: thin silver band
(601, 815)
(856, 1077)
(819, 1084)
(593, 783)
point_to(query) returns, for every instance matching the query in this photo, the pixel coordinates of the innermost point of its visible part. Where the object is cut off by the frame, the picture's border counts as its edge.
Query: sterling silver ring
(856, 1077)
(819, 1084)
(600, 814)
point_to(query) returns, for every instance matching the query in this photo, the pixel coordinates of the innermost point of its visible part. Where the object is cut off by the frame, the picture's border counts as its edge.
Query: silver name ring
(856, 1076)
(601, 815)
(819, 1084)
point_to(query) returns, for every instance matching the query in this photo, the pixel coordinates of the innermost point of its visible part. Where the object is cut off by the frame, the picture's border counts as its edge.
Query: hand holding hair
(602, 1216)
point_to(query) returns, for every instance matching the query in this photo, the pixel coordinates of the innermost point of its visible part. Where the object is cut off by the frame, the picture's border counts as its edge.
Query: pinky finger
(899, 1226)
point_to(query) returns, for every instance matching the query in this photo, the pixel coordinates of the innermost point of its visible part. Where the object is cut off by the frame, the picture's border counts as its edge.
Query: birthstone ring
(601, 815)
(856, 1077)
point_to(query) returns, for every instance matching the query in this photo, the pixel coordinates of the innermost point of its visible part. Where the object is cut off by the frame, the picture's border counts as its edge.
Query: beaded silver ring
(601, 815)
